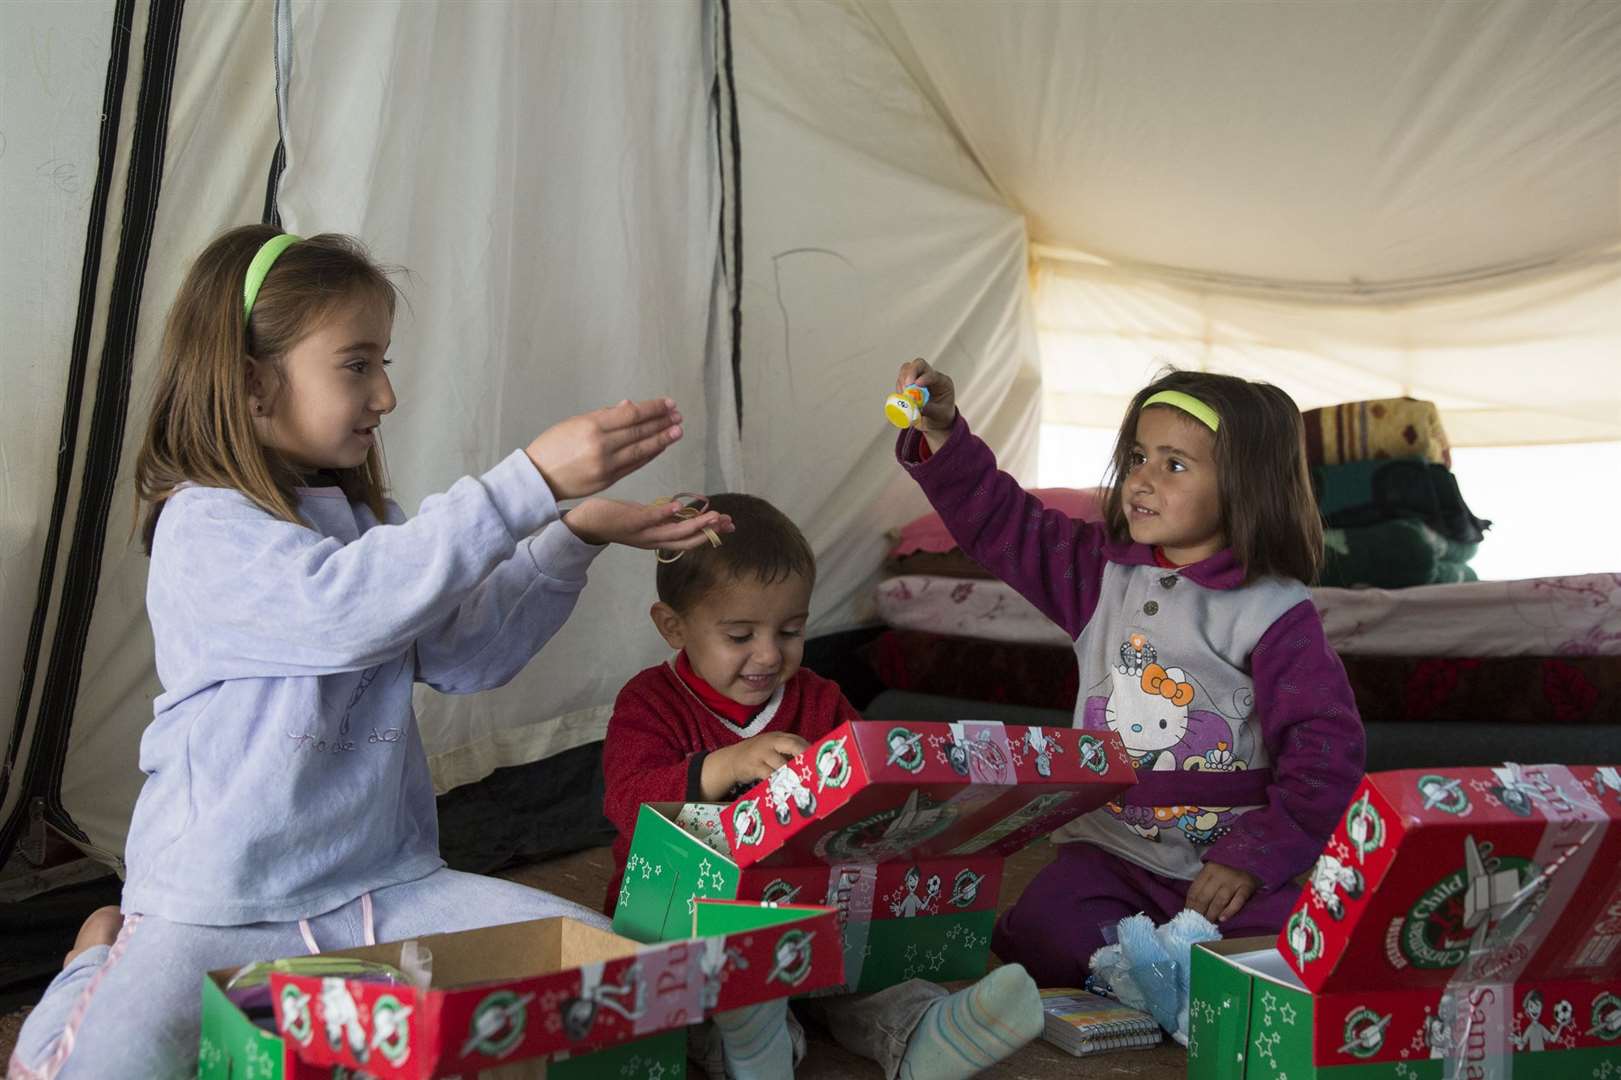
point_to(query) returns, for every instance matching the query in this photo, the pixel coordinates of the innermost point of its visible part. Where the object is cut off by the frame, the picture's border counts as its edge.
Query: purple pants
(1056, 926)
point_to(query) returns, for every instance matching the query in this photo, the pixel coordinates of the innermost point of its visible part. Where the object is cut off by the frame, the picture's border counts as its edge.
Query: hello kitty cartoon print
(1154, 709)
(1148, 708)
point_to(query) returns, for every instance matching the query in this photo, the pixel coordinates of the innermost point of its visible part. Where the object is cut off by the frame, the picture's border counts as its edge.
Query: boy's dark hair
(1268, 511)
(766, 547)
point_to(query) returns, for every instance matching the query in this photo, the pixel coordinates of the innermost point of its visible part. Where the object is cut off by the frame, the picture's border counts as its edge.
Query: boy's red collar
(713, 700)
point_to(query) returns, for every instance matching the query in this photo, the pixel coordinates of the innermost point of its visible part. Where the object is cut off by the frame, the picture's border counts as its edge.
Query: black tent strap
(42, 776)
(112, 110)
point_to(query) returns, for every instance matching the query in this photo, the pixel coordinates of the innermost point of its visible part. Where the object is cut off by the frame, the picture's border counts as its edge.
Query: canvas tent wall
(761, 209)
(570, 218)
(1352, 199)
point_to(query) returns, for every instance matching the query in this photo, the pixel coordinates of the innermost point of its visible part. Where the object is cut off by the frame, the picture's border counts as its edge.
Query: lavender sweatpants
(1057, 924)
(134, 1009)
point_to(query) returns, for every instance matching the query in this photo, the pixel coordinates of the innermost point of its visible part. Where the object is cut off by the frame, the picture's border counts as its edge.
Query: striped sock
(758, 1046)
(974, 1028)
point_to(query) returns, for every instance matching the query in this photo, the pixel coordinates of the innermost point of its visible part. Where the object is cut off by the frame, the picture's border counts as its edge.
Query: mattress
(1541, 617)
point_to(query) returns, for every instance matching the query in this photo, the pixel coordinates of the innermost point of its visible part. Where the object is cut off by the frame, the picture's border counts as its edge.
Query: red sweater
(660, 733)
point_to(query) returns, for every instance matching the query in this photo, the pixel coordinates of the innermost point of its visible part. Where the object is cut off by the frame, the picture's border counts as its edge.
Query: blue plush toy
(1148, 967)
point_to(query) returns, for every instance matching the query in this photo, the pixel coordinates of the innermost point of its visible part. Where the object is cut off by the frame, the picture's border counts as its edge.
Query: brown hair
(1268, 512)
(201, 429)
(766, 547)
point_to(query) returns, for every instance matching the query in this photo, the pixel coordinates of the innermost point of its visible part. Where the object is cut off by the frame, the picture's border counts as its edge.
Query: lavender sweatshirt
(285, 772)
(1235, 710)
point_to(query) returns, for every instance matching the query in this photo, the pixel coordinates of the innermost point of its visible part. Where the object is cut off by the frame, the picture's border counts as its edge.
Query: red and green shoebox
(1461, 923)
(903, 828)
(570, 1001)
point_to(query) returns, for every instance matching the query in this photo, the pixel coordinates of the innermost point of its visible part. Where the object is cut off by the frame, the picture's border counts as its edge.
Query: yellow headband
(1188, 404)
(260, 266)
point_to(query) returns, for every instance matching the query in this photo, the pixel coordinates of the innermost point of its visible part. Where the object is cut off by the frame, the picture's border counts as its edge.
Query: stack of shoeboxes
(1460, 923)
(903, 828)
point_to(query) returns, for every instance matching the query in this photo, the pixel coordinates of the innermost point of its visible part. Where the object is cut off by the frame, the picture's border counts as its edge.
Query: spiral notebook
(1079, 1022)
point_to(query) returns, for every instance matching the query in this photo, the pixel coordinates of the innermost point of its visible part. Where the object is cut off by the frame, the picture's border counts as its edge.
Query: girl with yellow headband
(287, 805)
(1198, 647)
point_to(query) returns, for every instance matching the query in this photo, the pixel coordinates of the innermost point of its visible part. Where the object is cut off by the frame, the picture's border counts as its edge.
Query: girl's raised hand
(584, 454)
(934, 420)
(611, 521)
(941, 411)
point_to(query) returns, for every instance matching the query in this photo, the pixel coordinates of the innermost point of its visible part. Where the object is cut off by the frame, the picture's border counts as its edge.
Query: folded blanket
(1389, 689)
(1370, 430)
(1500, 690)
(1394, 555)
(1368, 492)
(1041, 676)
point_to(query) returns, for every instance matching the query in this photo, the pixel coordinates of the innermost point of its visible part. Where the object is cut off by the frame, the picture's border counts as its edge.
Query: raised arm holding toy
(1197, 645)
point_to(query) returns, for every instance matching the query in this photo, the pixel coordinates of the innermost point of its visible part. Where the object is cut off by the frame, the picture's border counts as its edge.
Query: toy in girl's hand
(903, 408)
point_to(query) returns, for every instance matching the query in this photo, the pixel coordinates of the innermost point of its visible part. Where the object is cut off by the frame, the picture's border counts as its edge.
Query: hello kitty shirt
(1235, 711)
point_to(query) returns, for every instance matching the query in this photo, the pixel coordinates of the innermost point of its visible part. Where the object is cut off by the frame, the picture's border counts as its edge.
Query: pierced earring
(258, 409)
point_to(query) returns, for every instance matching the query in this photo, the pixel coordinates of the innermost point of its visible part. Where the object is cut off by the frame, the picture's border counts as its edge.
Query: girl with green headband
(1198, 648)
(288, 806)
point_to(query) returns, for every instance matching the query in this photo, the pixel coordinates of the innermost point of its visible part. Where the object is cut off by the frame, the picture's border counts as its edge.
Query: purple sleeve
(1053, 561)
(1313, 732)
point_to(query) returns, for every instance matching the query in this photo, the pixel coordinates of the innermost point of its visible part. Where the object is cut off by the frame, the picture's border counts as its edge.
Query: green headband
(1188, 404)
(260, 266)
